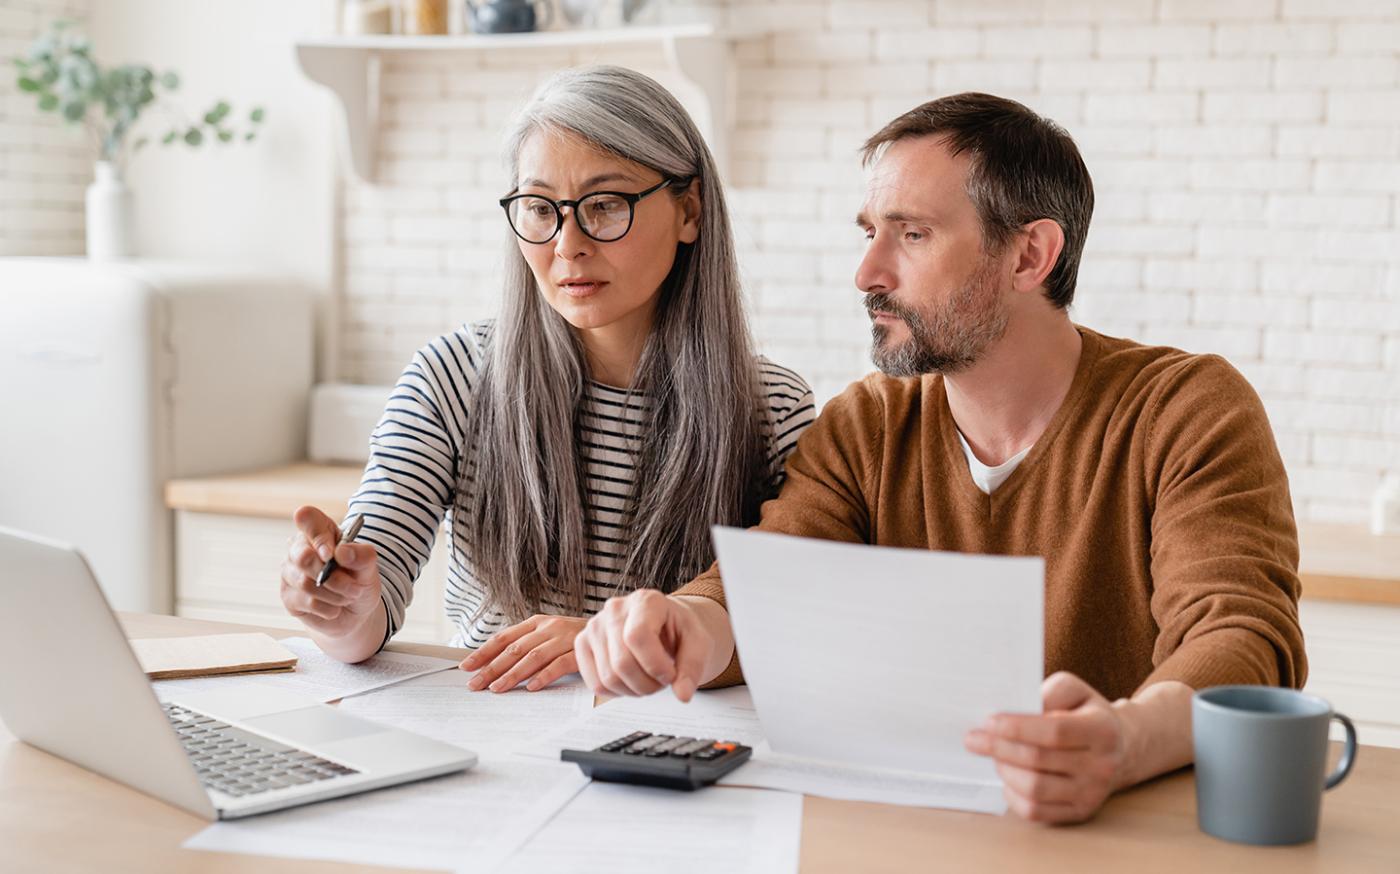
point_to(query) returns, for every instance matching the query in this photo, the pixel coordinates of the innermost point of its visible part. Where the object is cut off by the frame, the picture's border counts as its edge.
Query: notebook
(168, 658)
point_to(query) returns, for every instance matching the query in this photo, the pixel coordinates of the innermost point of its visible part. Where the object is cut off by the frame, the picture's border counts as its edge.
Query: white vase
(111, 225)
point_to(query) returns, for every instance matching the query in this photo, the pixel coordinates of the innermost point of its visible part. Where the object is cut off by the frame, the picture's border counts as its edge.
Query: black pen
(348, 536)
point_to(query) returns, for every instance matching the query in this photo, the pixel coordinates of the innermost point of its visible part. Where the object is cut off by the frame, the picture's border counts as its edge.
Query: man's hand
(1061, 765)
(646, 641)
(540, 649)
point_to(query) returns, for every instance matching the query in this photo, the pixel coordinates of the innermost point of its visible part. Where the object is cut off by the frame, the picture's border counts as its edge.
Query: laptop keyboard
(239, 763)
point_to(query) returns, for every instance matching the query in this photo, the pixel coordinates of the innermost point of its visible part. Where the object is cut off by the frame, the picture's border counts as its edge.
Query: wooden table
(57, 817)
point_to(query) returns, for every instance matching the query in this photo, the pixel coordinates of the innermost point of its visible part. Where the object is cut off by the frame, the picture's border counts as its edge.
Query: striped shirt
(416, 480)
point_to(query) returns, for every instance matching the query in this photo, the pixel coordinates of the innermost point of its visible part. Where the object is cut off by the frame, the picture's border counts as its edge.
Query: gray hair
(702, 460)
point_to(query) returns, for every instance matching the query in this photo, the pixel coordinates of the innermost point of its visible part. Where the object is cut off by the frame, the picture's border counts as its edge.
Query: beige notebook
(165, 658)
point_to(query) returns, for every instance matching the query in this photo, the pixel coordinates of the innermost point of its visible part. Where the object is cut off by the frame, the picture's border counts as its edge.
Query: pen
(346, 537)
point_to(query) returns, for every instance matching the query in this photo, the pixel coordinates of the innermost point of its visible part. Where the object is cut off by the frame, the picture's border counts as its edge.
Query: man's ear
(689, 202)
(1039, 249)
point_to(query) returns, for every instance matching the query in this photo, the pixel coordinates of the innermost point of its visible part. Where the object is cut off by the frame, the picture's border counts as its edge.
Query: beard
(944, 339)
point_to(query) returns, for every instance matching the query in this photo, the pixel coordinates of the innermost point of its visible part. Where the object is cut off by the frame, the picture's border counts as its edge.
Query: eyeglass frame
(632, 200)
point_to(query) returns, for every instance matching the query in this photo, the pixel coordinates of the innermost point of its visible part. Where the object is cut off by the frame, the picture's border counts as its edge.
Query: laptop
(71, 686)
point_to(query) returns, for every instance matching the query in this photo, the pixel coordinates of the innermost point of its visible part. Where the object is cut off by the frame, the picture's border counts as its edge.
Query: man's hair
(1024, 168)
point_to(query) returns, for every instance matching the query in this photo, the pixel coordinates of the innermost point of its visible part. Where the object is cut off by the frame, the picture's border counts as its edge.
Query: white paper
(879, 658)
(440, 706)
(317, 675)
(472, 820)
(614, 829)
(722, 714)
(829, 780)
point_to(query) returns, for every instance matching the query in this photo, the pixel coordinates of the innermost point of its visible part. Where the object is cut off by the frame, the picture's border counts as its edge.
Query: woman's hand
(540, 650)
(349, 598)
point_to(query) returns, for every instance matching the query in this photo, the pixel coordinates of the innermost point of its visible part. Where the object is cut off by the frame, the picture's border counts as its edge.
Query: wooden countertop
(1338, 563)
(1348, 563)
(275, 492)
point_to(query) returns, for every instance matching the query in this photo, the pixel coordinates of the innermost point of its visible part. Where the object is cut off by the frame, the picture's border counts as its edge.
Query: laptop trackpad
(312, 725)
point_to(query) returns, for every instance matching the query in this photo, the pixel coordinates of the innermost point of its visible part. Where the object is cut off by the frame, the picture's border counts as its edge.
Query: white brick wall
(1246, 155)
(45, 165)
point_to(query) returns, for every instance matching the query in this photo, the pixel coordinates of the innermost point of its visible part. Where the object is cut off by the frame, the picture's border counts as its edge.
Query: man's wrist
(1156, 732)
(1128, 713)
(715, 620)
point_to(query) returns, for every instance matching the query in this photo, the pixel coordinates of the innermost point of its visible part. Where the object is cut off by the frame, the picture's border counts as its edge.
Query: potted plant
(62, 74)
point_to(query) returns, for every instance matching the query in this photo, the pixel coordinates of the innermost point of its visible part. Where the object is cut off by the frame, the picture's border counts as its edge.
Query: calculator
(660, 760)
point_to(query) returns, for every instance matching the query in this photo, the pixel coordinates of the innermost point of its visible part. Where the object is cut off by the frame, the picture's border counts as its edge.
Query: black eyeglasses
(604, 216)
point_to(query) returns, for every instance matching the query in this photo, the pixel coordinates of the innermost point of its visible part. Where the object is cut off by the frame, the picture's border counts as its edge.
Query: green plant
(61, 72)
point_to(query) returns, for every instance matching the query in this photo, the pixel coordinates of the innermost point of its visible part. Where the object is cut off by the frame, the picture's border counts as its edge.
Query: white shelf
(350, 65)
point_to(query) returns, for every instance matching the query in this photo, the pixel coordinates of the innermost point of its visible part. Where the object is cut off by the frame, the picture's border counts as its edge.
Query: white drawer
(227, 567)
(1354, 662)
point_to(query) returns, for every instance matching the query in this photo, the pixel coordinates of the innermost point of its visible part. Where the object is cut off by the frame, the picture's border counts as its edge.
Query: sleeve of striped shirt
(415, 450)
(790, 407)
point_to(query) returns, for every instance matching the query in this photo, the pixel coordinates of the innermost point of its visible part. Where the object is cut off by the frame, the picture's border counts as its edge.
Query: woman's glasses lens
(604, 216)
(533, 218)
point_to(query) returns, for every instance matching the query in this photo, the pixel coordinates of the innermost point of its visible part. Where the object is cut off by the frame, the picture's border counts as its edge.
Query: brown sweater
(1156, 496)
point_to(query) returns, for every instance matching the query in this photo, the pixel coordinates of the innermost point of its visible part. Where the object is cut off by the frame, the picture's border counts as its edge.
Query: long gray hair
(702, 460)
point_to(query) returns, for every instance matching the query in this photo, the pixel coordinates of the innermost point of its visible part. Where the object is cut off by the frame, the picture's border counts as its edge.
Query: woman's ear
(689, 202)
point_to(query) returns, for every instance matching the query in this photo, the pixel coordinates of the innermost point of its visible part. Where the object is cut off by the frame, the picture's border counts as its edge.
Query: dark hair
(1024, 168)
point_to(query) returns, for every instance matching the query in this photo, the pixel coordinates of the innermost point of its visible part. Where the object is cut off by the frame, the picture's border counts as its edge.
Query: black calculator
(660, 760)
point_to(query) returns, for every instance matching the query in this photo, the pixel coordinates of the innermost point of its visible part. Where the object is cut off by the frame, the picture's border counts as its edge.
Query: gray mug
(1261, 760)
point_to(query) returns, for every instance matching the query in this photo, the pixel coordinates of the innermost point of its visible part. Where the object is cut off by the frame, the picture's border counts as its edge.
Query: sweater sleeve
(826, 493)
(1224, 553)
(410, 478)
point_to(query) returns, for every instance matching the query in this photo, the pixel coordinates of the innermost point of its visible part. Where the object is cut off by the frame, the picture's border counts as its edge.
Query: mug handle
(1348, 753)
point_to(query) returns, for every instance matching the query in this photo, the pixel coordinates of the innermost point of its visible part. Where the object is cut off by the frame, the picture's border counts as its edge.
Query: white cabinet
(231, 534)
(117, 376)
(1354, 662)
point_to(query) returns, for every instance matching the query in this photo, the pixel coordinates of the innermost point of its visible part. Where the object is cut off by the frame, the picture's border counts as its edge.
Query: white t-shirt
(989, 478)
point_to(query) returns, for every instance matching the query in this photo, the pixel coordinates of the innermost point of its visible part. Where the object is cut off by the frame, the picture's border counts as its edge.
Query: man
(1148, 478)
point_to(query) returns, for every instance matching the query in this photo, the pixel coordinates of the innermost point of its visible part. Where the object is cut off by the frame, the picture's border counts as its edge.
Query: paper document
(319, 676)
(880, 659)
(440, 706)
(472, 820)
(211, 654)
(722, 714)
(614, 829)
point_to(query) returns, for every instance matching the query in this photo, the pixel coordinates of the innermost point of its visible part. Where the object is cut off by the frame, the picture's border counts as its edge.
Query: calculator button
(646, 743)
(683, 752)
(613, 746)
(673, 743)
(728, 746)
(662, 749)
(707, 755)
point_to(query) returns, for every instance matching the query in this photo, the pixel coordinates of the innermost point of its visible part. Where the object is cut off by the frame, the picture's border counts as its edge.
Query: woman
(581, 444)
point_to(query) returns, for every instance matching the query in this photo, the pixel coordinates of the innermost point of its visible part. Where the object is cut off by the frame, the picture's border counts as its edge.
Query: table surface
(55, 816)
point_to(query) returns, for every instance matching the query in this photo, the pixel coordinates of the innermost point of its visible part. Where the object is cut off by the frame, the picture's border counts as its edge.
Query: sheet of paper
(880, 658)
(723, 714)
(440, 706)
(615, 829)
(770, 771)
(319, 676)
(472, 820)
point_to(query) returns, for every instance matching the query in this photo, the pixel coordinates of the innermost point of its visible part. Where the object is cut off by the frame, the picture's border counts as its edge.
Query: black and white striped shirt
(417, 474)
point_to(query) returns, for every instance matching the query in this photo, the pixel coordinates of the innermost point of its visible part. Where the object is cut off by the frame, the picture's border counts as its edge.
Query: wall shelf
(350, 67)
